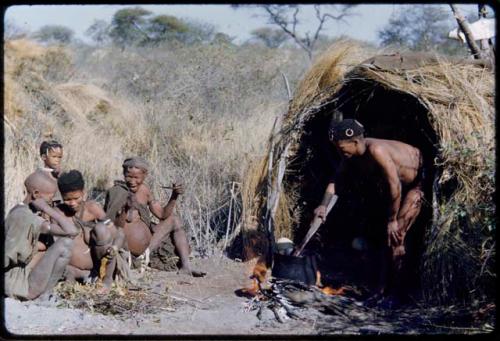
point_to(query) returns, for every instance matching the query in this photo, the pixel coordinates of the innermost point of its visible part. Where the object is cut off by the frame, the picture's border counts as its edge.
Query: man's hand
(111, 251)
(320, 212)
(40, 204)
(177, 189)
(394, 234)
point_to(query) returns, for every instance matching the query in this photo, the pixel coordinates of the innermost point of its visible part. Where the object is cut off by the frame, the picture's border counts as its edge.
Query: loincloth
(17, 282)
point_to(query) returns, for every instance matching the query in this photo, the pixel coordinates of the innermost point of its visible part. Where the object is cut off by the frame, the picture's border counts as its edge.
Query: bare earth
(182, 305)
(202, 306)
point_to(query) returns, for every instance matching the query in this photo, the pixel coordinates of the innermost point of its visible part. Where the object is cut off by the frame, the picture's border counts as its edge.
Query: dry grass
(199, 114)
(460, 100)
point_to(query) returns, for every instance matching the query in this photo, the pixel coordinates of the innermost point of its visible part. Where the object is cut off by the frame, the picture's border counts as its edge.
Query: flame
(332, 291)
(258, 276)
(260, 272)
(328, 290)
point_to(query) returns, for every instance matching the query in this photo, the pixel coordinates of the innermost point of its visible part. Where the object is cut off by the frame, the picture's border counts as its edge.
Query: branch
(278, 20)
(464, 26)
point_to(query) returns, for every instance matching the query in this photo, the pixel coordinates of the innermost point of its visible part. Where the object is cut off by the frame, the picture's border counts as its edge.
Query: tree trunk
(464, 26)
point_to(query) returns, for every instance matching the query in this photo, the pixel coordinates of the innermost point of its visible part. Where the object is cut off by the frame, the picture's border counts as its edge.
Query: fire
(332, 291)
(260, 272)
(258, 277)
(328, 290)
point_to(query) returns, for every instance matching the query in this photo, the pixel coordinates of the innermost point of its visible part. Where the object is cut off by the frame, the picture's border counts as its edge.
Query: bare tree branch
(288, 21)
(463, 25)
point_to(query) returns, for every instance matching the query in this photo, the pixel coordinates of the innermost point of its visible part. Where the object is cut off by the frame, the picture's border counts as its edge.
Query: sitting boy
(129, 203)
(28, 274)
(97, 239)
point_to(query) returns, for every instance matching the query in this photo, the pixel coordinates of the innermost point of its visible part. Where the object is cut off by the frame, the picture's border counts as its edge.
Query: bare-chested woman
(28, 274)
(402, 166)
(129, 204)
(97, 237)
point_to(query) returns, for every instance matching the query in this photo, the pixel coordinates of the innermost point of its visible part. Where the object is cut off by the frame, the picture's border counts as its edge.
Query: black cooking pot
(302, 269)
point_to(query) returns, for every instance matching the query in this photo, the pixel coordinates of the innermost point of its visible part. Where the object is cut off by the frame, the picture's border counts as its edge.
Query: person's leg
(50, 268)
(408, 213)
(173, 225)
(73, 273)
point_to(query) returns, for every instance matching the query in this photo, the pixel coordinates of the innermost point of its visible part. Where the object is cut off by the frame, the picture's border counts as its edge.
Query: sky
(235, 22)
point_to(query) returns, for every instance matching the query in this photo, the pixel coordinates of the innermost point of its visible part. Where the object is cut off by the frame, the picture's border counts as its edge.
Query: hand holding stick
(315, 224)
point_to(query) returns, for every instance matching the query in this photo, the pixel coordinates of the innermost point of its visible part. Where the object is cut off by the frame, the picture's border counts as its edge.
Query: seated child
(98, 239)
(51, 153)
(27, 273)
(129, 204)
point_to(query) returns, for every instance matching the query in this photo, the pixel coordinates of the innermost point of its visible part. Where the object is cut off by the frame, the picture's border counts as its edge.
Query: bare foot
(103, 290)
(194, 273)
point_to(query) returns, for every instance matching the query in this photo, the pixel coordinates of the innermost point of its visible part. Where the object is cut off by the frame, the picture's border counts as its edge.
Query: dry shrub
(458, 262)
(199, 114)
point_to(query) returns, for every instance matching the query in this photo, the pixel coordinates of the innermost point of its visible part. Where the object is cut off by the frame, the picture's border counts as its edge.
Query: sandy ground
(210, 306)
(202, 306)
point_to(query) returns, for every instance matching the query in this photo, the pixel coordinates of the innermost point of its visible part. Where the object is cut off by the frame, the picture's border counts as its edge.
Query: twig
(185, 298)
(229, 217)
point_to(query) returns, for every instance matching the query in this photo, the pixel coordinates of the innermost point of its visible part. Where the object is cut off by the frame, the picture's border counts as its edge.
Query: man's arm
(320, 211)
(63, 226)
(96, 210)
(165, 211)
(382, 156)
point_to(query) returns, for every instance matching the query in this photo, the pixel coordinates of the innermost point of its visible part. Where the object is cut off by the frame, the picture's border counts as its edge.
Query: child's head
(135, 170)
(71, 185)
(40, 185)
(51, 153)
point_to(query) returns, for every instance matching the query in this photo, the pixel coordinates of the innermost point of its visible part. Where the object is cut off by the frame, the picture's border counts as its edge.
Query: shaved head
(40, 181)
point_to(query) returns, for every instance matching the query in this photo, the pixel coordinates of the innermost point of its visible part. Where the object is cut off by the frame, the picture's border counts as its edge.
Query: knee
(416, 197)
(66, 245)
(175, 221)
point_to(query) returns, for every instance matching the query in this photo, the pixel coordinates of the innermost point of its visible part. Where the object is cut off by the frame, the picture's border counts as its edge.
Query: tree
(13, 31)
(165, 27)
(223, 38)
(128, 26)
(271, 37)
(54, 34)
(99, 32)
(420, 28)
(286, 18)
(199, 32)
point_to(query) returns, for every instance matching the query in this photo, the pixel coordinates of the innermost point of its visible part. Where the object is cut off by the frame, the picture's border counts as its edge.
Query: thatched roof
(458, 97)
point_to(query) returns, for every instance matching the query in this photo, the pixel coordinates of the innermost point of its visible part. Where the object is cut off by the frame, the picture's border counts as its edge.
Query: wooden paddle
(313, 228)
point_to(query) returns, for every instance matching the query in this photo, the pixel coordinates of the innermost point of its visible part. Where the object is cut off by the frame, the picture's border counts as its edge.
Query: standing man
(401, 166)
(27, 273)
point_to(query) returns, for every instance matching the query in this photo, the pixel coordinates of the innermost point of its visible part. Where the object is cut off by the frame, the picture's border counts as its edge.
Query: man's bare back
(405, 157)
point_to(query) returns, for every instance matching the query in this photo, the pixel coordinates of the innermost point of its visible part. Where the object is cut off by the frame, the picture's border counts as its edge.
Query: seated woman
(130, 204)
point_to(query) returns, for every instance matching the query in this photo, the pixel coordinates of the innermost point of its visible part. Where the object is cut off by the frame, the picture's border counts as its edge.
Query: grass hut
(445, 108)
